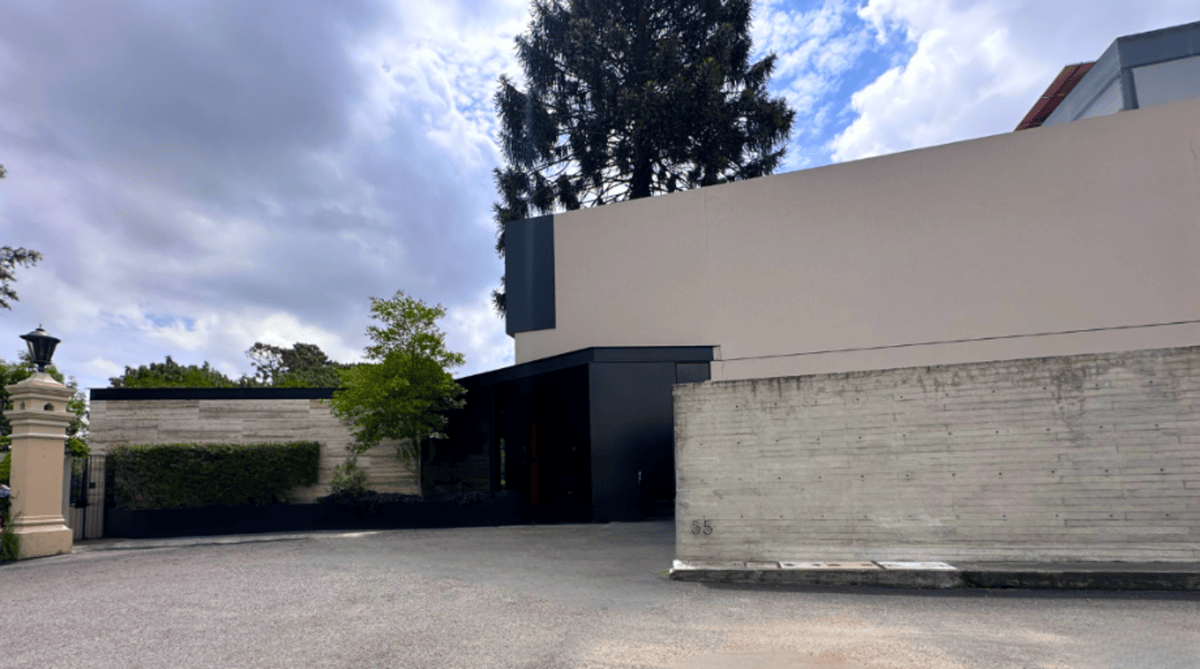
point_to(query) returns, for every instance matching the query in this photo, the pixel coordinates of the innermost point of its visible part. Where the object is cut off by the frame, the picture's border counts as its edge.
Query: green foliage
(171, 374)
(199, 475)
(403, 394)
(302, 366)
(9, 259)
(349, 479)
(6, 468)
(15, 372)
(626, 99)
(8, 539)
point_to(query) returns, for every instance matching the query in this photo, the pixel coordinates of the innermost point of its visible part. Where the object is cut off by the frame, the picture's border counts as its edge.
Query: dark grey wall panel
(1159, 45)
(588, 355)
(632, 432)
(691, 372)
(529, 274)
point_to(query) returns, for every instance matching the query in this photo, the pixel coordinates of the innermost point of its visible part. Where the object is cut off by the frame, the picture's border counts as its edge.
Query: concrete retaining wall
(245, 421)
(1088, 457)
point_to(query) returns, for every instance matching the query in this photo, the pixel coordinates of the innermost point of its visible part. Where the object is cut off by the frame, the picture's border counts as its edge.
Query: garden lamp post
(41, 347)
(39, 422)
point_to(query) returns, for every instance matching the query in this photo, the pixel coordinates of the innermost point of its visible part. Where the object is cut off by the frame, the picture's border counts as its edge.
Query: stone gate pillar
(39, 429)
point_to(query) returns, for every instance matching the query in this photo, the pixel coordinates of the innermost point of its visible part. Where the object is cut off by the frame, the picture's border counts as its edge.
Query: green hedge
(170, 476)
(8, 540)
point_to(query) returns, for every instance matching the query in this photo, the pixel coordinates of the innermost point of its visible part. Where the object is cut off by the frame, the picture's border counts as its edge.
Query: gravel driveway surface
(538, 597)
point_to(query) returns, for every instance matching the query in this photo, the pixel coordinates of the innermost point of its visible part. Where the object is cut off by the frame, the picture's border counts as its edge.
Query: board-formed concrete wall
(1088, 457)
(245, 421)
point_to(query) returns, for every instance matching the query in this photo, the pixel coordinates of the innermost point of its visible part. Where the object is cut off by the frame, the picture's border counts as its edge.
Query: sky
(204, 175)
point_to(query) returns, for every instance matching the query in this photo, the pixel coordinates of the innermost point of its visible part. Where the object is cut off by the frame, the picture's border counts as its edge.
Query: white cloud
(98, 367)
(219, 174)
(475, 330)
(816, 47)
(436, 65)
(979, 67)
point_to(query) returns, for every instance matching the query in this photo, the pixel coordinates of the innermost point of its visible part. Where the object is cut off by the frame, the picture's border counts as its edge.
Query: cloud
(820, 48)
(99, 367)
(469, 332)
(203, 175)
(978, 67)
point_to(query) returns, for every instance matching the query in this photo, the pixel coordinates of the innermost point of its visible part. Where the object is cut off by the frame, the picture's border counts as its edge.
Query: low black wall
(216, 520)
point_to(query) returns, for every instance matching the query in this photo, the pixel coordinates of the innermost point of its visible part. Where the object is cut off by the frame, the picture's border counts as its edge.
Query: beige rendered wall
(1090, 457)
(114, 422)
(1093, 224)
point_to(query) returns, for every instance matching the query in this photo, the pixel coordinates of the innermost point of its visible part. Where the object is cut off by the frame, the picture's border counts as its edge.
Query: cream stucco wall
(1093, 224)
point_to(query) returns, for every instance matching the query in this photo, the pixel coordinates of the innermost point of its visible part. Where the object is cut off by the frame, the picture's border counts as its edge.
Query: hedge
(169, 476)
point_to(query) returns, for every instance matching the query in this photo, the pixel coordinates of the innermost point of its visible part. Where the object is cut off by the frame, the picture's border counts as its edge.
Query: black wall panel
(529, 274)
(633, 451)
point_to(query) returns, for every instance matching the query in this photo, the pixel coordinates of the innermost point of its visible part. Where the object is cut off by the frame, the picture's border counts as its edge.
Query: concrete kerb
(1158, 576)
(216, 540)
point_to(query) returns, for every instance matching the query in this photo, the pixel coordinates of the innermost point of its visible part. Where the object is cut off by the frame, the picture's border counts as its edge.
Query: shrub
(348, 479)
(199, 475)
(8, 540)
(6, 468)
(8, 544)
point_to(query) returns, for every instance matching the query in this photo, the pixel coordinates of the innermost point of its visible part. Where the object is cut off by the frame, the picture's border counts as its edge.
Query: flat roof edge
(601, 354)
(210, 393)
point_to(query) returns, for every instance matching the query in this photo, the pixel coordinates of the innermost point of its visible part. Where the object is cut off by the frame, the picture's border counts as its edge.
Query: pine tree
(631, 98)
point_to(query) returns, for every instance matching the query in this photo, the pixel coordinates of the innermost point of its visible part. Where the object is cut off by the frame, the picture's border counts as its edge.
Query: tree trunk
(420, 469)
(639, 185)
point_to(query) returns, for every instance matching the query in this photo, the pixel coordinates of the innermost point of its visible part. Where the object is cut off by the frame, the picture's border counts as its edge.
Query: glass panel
(1173, 80)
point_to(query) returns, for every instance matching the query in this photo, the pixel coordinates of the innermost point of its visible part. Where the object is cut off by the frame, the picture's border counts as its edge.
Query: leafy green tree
(15, 372)
(171, 374)
(301, 366)
(403, 393)
(626, 99)
(9, 259)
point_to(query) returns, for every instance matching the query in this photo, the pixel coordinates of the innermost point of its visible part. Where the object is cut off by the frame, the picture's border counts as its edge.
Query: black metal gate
(87, 497)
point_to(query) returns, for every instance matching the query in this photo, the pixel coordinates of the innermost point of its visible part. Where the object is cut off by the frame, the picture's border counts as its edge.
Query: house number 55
(697, 527)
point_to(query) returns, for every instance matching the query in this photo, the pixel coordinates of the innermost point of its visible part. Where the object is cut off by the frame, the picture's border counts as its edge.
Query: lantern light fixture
(41, 347)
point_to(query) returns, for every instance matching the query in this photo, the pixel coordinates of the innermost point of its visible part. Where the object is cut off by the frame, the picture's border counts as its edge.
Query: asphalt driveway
(544, 596)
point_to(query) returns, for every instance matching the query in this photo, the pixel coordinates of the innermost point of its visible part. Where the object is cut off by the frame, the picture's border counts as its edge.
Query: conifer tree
(626, 99)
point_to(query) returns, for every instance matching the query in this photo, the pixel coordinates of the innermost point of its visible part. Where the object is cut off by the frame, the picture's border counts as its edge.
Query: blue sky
(204, 175)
